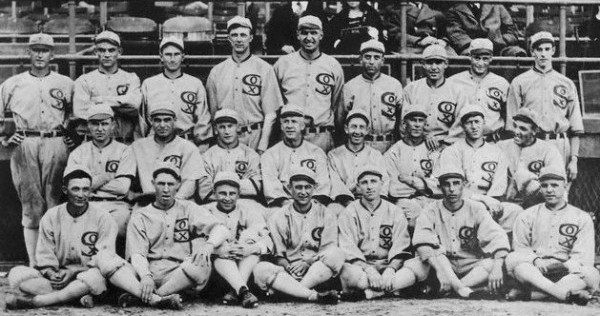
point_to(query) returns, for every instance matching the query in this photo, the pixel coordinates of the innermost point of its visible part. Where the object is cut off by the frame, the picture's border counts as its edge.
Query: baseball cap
(469, 111)
(481, 46)
(100, 112)
(526, 115)
(291, 110)
(226, 115)
(311, 22)
(372, 45)
(171, 40)
(166, 167)
(163, 109)
(76, 171)
(451, 171)
(41, 39)
(108, 36)
(540, 38)
(226, 177)
(238, 21)
(368, 170)
(410, 110)
(303, 173)
(553, 173)
(435, 52)
(357, 113)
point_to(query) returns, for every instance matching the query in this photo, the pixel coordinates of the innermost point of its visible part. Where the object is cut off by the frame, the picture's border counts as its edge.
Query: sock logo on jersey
(391, 102)
(316, 234)
(176, 160)
(468, 239)
(535, 166)
(122, 89)
(447, 110)
(252, 84)
(309, 163)
(489, 167)
(191, 100)
(241, 167)
(326, 81)
(426, 166)
(385, 236)
(561, 98)
(496, 95)
(569, 231)
(181, 233)
(59, 99)
(112, 166)
(88, 240)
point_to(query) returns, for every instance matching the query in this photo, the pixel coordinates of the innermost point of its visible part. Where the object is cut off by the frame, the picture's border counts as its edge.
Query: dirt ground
(410, 307)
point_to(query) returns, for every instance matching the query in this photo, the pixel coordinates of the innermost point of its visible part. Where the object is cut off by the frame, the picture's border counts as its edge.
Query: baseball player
(485, 88)
(183, 92)
(305, 237)
(246, 84)
(373, 233)
(527, 155)
(165, 145)
(39, 101)
(410, 166)
(441, 98)
(230, 155)
(552, 235)
(111, 163)
(71, 235)
(112, 85)
(346, 160)
(377, 94)
(313, 80)
(460, 240)
(554, 97)
(484, 165)
(248, 238)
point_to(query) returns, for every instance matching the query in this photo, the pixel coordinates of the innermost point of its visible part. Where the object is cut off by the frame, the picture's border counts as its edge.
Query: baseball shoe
(579, 297)
(87, 301)
(517, 294)
(352, 296)
(328, 297)
(478, 295)
(18, 302)
(247, 298)
(128, 300)
(230, 298)
(172, 301)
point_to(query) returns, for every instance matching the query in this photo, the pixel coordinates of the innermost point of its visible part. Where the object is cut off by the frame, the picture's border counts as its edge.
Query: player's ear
(346, 129)
(120, 50)
(64, 189)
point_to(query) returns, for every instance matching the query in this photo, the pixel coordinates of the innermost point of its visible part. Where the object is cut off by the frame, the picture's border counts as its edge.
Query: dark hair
(76, 174)
(167, 171)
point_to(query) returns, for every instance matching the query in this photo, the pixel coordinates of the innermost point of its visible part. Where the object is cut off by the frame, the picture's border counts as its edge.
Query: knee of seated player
(486, 264)
(108, 263)
(591, 277)
(28, 280)
(333, 258)
(94, 280)
(353, 277)
(509, 215)
(335, 208)
(265, 274)
(198, 274)
(418, 267)
(412, 210)
(515, 259)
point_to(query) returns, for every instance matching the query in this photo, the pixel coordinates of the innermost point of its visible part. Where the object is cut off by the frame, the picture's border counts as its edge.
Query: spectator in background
(356, 23)
(593, 32)
(467, 21)
(281, 31)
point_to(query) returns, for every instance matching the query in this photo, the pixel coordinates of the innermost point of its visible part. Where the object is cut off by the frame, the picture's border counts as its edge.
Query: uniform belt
(379, 138)
(251, 127)
(546, 136)
(188, 135)
(498, 136)
(41, 134)
(103, 199)
(319, 129)
(123, 139)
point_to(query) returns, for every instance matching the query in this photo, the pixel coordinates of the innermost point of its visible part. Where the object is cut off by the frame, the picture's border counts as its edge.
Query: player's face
(553, 191)
(301, 191)
(370, 187)
(480, 64)
(227, 196)
(415, 125)
(473, 127)
(227, 132)
(292, 127)
(435, 69)
(40, 56)
(108, 54)
(542, 54)
(524, 133)
(78, 191)
(452, 189)
(310, 39)
(371, 62)
(163, 125)
(171, 58)
(240, 39)
(165, 188)
(99, 129)
(353, 4)
(356, 129)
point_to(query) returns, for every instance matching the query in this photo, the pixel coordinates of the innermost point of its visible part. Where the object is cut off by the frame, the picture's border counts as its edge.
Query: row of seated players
(174, 245)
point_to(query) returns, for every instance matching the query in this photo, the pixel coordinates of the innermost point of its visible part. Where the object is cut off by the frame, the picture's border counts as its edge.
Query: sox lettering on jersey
(326, 81)
(490, 168)
(112, 166)
(191, 102)
(426, 166)
(496, 95)
(310, 164)
(535, 166)
(561, 99)
(59, 99)
(89, 239)
(252, 85)
(447, 110)
(176, 160)
(316, 234)
(468, 239)
(569, 231)
(390, 100)
(122, 89)
(385, 236)
(181, 232)
(241, 167)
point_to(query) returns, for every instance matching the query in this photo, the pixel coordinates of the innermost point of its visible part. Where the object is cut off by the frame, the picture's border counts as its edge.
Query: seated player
(71, 235)
(112, 165)
(248, 238)
(306, 255)
(230, 155)
(554, 247)
(459, 239)
(373, 233)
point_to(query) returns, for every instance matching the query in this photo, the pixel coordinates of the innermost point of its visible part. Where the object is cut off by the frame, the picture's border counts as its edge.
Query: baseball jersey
(242, 160)
(66, 240)
(380, 234)
(299, 236)
(490, 93)
(36, 103)
(180, 152)
(248, 87)
(566, 234)
(277, 162)
(168, 234)
(381, 98)
(552, 95)
(485, 167)
(467, 233)
(110, 165)
(121, 90)
(315, 85)
(415, 161)
(344, 165)
(441, 104)
(186, 96)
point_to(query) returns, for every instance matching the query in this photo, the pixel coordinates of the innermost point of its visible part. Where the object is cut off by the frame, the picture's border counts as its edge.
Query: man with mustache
(185, 93)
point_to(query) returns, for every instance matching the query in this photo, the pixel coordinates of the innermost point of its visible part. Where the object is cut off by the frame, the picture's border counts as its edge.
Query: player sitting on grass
(553, 247)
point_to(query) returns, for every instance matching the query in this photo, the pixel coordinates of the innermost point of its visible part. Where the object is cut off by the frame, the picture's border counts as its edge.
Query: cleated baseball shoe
(230, 298)
(87, 301)
(247, 298)
(172, 301)
(328, 297)
(128, 300)
(579, 297)
(18, 302)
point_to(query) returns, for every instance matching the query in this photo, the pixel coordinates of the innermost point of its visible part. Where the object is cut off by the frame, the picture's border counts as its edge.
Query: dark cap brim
(99, 117)
(228, 182)
(450, 175)
(481, 51)
(542, 41)
(524, 118)
(301, 177)
(552, 176)
(291, 113)
(166, 170)
(369, 172)
(415, 114)
(226, 119)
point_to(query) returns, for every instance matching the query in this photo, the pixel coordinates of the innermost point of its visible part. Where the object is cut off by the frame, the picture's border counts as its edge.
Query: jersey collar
(367, 208)
(243, 60)
(44, 76)
(107, 73)
(369, 79)
(433, 87)
(415, 144)
(536, 69)
(319, 56)
(355, 152)
(180, 75)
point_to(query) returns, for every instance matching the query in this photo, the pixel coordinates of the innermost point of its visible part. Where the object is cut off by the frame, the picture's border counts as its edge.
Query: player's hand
(65, 277)
(543, 264)
(288, 49)
(572, 170)
(298, 268)
(245, 250)
(15, 140)
(432, 142)
(226, 251)
(496, 277)
(496, 208)
(445, 282)
(147, 286)
(373, 32)
(201, 256)
(387, 280)
(69, 142)
(374, 278)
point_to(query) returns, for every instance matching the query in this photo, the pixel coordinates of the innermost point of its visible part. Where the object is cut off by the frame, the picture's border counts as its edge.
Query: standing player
(305, 236)
(378, 94)
(553, 236)
(441, 99)
(313, 81)
(111, 163)
(246, 84)
(554, 97)
(110, 85)
(39, 100)
(485, 88)
(183, 92)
